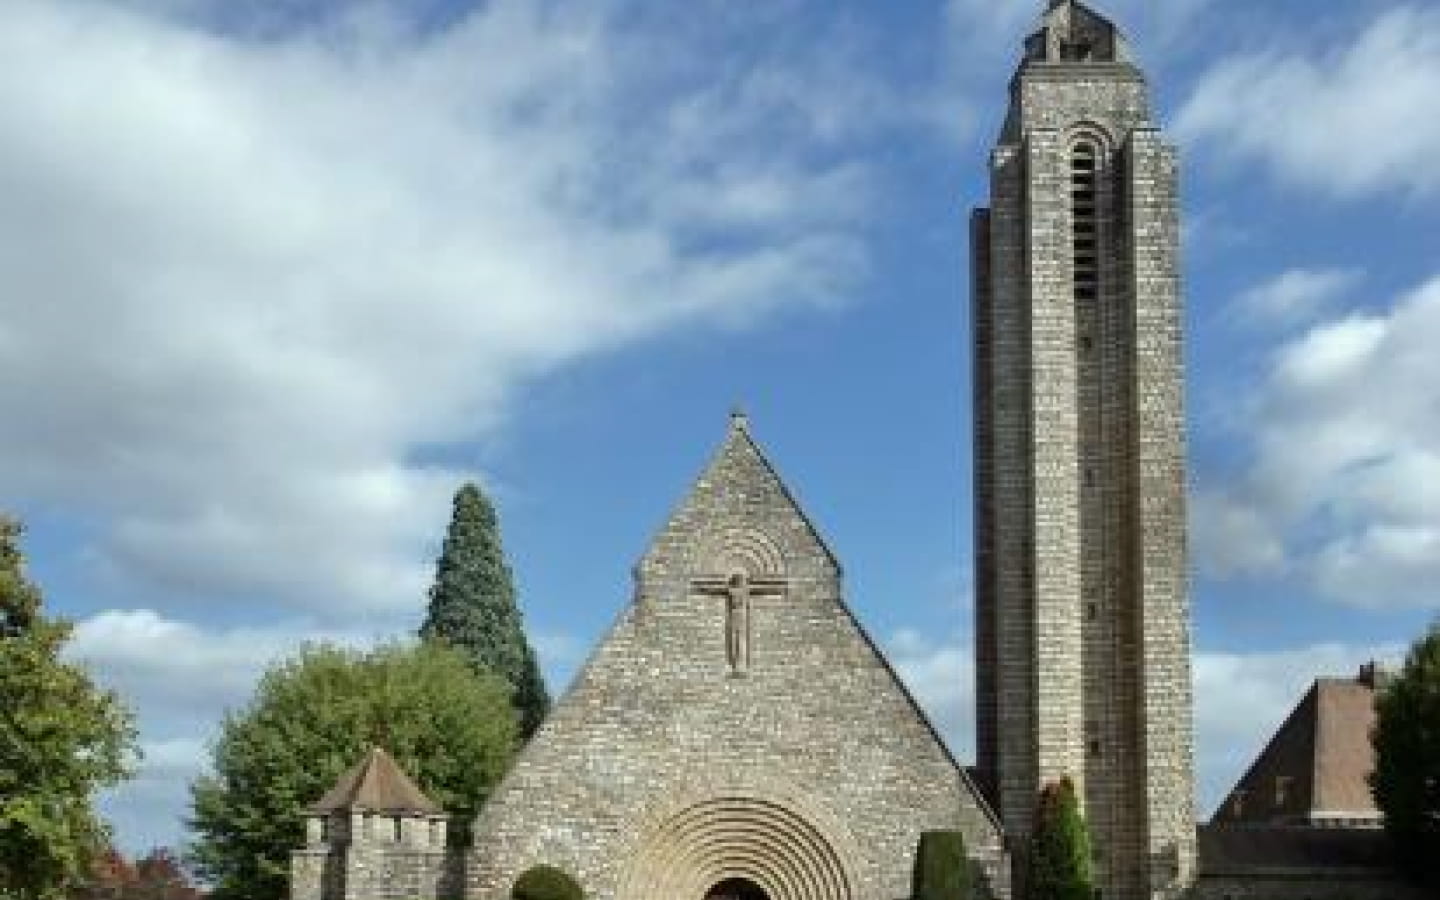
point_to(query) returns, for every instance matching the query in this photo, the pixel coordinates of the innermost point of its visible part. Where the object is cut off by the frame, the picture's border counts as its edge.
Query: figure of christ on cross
(738, 590)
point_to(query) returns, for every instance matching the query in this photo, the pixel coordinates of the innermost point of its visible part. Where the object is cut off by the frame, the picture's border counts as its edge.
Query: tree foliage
(312, 718)
(1406, 781)
(157, 875)
(546, 883)
(941, 867)
(61, 740)
(472, 605)
(1059, 862)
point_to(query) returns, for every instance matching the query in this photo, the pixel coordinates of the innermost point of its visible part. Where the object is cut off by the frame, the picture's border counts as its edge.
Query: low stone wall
(1305, 884)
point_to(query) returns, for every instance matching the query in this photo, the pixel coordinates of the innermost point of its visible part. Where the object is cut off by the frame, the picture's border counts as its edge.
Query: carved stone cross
(738, 590)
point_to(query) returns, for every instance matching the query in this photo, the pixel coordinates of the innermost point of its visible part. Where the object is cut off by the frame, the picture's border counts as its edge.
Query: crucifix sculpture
(738, 590)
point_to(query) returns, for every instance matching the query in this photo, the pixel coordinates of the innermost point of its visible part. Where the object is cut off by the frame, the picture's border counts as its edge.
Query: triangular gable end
(750, 519)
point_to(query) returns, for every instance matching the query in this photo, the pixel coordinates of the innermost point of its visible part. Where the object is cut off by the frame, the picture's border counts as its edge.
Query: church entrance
(737, 889)
(735, 847)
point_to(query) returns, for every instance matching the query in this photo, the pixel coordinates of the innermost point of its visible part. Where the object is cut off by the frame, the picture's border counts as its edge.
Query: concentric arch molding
(766, 841)
(738, 550)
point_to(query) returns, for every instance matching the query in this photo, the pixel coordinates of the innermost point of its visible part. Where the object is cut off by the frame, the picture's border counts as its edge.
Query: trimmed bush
(546, 883)
(942, 871)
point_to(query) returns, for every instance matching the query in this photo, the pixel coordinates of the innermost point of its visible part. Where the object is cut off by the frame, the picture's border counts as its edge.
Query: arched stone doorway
(737, 889)
(736, 848)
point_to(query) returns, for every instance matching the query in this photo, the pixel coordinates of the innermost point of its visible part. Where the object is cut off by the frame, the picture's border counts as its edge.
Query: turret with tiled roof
(378, 785)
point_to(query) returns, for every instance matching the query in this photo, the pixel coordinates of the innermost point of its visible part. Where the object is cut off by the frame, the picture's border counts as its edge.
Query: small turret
(376, 802)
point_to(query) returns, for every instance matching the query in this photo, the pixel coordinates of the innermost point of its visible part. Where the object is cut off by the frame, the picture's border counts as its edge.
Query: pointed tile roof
(377, 784)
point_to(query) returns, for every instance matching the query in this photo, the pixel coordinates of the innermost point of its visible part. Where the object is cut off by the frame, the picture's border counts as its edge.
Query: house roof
(376, 784)
(1316, 766)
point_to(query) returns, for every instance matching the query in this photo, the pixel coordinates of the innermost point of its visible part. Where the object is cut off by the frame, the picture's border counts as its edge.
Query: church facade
(738, 736)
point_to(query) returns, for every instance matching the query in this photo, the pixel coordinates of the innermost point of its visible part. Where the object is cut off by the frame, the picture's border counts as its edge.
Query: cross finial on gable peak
(738, 420)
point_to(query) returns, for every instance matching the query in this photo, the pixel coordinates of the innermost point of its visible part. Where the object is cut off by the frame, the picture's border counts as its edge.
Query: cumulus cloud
(941, 676)
(1303, 111)
(174, 667)
(1240, 698)
(245, 281)
(1343, 480)
(1295, 297)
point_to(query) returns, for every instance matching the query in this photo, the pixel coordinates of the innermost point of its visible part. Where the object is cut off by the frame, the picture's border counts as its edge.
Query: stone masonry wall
(809, 770)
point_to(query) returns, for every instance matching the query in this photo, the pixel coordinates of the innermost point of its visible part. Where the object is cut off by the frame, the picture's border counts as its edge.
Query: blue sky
(279, 275)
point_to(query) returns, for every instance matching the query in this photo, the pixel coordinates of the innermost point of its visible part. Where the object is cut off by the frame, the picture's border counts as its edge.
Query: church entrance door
(737, 889)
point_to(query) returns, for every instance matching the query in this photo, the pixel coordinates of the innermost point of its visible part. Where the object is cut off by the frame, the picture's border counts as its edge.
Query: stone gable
(737, 722)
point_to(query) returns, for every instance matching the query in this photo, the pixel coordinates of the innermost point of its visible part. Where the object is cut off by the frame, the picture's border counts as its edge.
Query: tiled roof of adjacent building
(1315, 768)
(377, 784)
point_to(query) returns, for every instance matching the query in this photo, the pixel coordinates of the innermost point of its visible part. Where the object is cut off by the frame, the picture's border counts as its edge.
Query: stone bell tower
(1082, 619)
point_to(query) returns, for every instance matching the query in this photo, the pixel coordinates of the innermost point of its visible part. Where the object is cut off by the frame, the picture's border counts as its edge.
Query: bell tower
(1082, 616)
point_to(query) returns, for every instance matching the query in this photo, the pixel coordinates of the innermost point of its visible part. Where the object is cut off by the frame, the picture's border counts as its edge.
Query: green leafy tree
(1406, 781)
(1059, 863)
(472, 606)
(61, 740)
(312, 718)
(941, 867)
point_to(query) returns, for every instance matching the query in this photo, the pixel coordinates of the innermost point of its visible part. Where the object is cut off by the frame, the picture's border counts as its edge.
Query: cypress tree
(472, 606)
(1060, 847)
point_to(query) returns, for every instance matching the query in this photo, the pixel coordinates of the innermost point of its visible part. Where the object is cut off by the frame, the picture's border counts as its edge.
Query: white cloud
(1295, 297)
(1343, 483)
(941, 676)
(1345, 120)
(174, 668)
(1240, 698)
(1232, 537)
(242, 281)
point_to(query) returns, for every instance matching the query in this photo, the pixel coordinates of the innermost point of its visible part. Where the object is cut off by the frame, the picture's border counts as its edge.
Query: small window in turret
(1076, 51)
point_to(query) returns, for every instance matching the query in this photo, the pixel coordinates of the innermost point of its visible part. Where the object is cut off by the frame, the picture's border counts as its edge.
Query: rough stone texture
(356, 855)
(1080, 545)
(1269, 862)
(1313, 883)
(667, 769)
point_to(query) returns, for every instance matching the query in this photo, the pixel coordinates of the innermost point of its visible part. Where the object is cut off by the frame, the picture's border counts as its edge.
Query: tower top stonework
(1071, 32)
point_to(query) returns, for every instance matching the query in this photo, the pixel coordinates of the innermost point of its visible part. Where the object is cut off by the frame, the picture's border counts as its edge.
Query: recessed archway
(736, 848)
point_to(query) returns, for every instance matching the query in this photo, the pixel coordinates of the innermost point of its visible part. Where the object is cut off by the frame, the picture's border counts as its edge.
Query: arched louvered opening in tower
(1084, 220)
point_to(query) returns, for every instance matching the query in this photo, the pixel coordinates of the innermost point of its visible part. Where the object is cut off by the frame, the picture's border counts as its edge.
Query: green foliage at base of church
(1406, 781)
(311, 719)
(1059, 854)
(62, 739)
(941, 867)
(472, 606)
(546, 883)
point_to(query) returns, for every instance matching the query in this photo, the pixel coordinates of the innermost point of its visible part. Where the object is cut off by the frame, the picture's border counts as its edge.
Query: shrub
(546, 883)
(1060, 847)
(941, 868)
